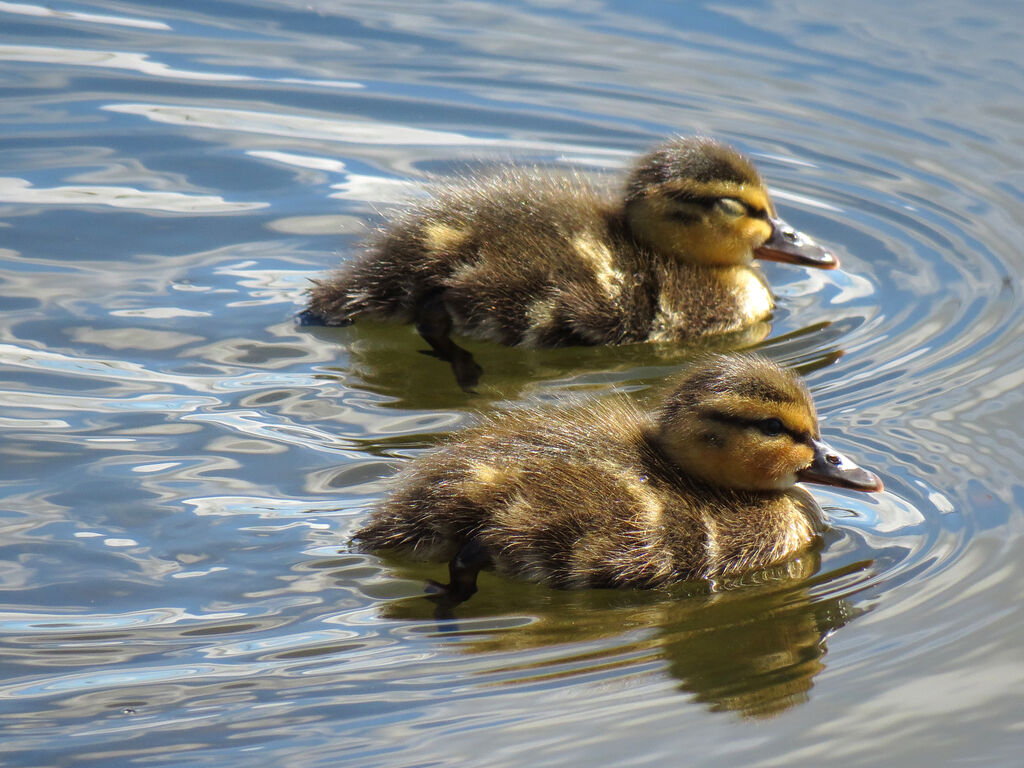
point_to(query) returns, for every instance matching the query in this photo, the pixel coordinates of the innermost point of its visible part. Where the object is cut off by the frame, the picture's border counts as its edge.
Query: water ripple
(182, 466)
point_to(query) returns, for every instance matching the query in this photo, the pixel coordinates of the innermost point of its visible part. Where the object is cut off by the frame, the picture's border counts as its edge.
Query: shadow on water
(750, 645)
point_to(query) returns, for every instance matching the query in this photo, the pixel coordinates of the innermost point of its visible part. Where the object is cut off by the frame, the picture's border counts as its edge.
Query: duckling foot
(435, 326)
(462, 572)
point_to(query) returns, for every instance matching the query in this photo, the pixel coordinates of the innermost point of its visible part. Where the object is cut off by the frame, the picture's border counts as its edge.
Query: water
(182, 465)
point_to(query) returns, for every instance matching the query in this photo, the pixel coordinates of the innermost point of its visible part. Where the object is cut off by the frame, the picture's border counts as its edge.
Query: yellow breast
(753, 299)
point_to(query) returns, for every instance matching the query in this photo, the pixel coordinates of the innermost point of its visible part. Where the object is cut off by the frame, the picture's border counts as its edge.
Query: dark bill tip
(829, 467)
(790, 245)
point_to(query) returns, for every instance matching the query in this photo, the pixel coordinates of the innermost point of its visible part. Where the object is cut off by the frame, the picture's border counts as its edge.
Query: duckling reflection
(379, 359)
(529, 259)
(753, 646)
(609, 495)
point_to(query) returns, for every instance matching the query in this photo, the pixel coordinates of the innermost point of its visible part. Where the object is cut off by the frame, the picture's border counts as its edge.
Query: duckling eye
(731, 207)
(770, 427)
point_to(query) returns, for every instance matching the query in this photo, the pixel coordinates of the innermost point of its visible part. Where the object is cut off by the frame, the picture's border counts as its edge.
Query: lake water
(182, 464)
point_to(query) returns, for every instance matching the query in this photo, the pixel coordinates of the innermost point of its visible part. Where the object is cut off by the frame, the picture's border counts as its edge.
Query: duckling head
(744, 423)
(704, 203)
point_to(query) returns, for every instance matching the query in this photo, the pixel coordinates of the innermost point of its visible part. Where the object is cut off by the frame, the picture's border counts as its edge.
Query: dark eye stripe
(752, 210)
(739, 421)
(684, 216)
(707, 201)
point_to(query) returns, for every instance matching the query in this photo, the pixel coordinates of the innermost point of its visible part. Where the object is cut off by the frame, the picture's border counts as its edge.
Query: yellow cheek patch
(708, 247)
(761, 462)
(754, 231)
(694, 243)
(801, 456)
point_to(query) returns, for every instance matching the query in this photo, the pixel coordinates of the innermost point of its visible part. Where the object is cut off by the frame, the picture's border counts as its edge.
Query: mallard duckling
(534, 260)
(609, 495)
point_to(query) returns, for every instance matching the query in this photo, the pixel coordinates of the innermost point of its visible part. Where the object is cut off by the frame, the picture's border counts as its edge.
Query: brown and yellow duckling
(609, 495)
(536, 260)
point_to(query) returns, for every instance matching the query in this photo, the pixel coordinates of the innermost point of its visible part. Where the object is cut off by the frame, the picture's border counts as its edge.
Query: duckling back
(522, 258)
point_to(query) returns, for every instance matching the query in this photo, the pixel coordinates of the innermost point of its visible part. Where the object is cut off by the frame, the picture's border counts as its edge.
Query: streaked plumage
(609, 495)
(528, 258)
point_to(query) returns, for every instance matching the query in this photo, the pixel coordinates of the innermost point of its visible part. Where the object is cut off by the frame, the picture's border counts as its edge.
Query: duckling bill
(531, 259)
(608, 495)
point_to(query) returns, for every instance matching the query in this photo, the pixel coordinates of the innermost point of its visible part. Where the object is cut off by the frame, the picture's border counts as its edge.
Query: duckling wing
(572, 499)
(551, 266)
(553, 497)
(585, 525)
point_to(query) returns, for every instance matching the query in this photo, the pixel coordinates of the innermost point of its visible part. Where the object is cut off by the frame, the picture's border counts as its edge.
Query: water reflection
(386, 360)
(751, 645)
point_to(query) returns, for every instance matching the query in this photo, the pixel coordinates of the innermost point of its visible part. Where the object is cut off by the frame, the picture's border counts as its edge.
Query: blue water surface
(182, 464)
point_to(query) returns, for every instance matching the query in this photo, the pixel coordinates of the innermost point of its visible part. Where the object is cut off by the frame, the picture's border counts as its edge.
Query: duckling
(531, 259)
(610, 495)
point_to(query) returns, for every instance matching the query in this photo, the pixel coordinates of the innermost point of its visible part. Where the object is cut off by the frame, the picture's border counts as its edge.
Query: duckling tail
(333, 303)
(309, 316)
